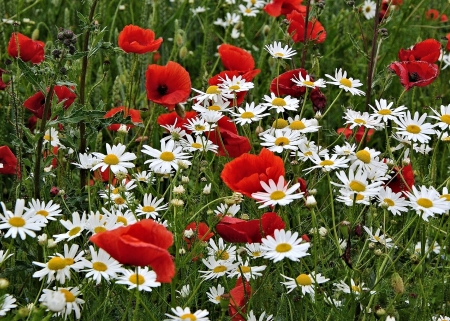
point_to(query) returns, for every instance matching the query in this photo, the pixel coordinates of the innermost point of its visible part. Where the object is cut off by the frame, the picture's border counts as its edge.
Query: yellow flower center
(119, 201)
(425, 202)
(111, 159)
(281, 141)
(346, 82)
(297, 125)
(167, 156)
(248, 10)
(279, 54)
(115, 191)
(384, 112)
(199, 128)
(367, 9)
(188, 316)
(277, 195)
(213, 90)
(148, 209)
(256, 254)
(235, 87)
(247, 115)
(357, 186)
(389, 202)
(308, 83)
(446, 196)
(16, 221)
(303, 279)
(358, 197)
(136, 279)
(279, 123)
(220, 269)
(446, 119)
(214, 107)
(99, 266)
(377, 238)
(413, 129)
(244, 269)
(69, 296)
(356, 288)
(122, 219)
(326, 162)
(69, 261)
(99, 229)
(283, 247)
(363, 156)
(222, 255)
(56, 263)
(279, 102)
(48, 138)
(74, 231)
(308, 153)
(359, 121)
(42, 212)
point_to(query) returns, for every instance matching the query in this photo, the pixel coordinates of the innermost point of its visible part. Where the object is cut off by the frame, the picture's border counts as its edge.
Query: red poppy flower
(140, 244)
(239, 297)
(402, 179)
(22, 47)
(415, 73)
(137, 40)
(2, 84)
(244, 174)
(432, 14)
(315, 31)
(36, 103)
(428, 50)
(173, 119)
(235, 230)
(135, 116)
(201, 233)
(448, 42)
(167, 85)
(284, 7)
(225, 136)
(8, 161)
(283, 85)
(235, 58)
(359, 133)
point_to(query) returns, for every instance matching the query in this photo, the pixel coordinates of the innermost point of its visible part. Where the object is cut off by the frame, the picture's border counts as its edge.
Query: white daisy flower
(282, 139)
(308, 82)
(248, 11)
(346, 150)
(443, 117)
(393, 202)
(369, 9)
(348, 84)
(55, 301)
(119, 197)
(423, 149)
(4, 256)
(256, 3)
(251, 317)
(414, 129)
(184, 292)
(426, 202)
(304, 282)
(349, 197)
(167, 158)
(276, 50)
(144, 177)
(99, 223)
(72, 301)
(185, 314)
(198, 10)
(353, 288)
(217, 268)
(175, 133)
(211, 116)
(7, 303)
(328, 163)
(51, 136)
(244, 269)
(235, 85)
(232, 19)
(307, 149)
(253, 250)
(199, 126)
(44, 212)
(249, 114)
(55, 269)
(144, 280)
(121, 218)
(277, 193)
(228, 210)
(221, 251)
(213, 93)
(304, 125)
(377, 238)
(356, 182)
(214, 294)
(282, 245)
(87, 161)
(281, 104)
(101, 265)
(151, 206)
(73, 228)
(200, 143)
(383, 111)
(116, 159)
(440, 318)
(18, 222)
(368, 159)
(356, 119)
(219, 104)
(73, 260)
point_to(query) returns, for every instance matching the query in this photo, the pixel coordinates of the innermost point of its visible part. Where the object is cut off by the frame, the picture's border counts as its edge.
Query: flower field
(225, 160)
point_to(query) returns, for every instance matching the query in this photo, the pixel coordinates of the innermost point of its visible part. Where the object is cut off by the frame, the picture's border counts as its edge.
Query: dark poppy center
(43, 101)
(413, 76)
(162, 90)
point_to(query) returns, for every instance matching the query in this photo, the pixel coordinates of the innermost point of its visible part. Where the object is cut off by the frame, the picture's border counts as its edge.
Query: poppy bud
(183, 52)
(6, 78)
(344, 227)
(106, 65)
(35, 34)
(397, 283)
(266, 30)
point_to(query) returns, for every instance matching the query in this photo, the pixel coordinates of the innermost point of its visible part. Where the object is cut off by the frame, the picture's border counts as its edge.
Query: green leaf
(30, 76)
(358, 48)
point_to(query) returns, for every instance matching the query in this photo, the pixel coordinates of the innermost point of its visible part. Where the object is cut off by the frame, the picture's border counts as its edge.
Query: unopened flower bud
(42, 239)
(259, 130)
(185, 179)
(377, 252)
(6, 77)
(397, 283)
(177, 202)
(51, 243)
(4, 283)
(182, 251)
(266, 30)
(406, 161)
(183, 52)
(380, 312)
(344, 227)
(61, 192)
(179, 189)
(60, 36)
(245, 216)
(68, 34)
(35, 34)
(311, 201)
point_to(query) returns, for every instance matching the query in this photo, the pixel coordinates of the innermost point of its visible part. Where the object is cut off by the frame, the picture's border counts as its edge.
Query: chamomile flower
(284, 244)
(116, 159)
(249, 114)
(144, 177)
(441, 318)
(200, 143)
(277, 193)
(55, 301)
(346, 150)
(369, 9)
(308, 82)
(414, 129)
(383, 112)
(377, 238)
(307, 149)
(277, 50)
(44, 212)
(51, 136)
(151, 206)
(253, 250)
(87, 161)
(248, 11)
(251, 317)
(443, 117)
(244, 269)
(214, 294)
(175, 133)
(426, 202)
(55, 269)
(167, 158)
(328, 163)
(304, 125)
(74, 260)
(199, 126)
(144, 280)
(393, 202)
(348, 84)
(423, 149)
(280, 104)
(349, 197)
(304, 282)
(235, 85)
(282, 139)
(353, 288)
(184, 292)
(73, 302)
(256, 3)
(356, 118)
(211, 116)
(101, 265)
(18, 222)
(73, 228)
(121, 218)
(368, 159)
(356, 182)
(213, 93)
(221, 251)
(185, 314)
(7, 303)
(217, 268)
(99, 223)
(228, 210)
